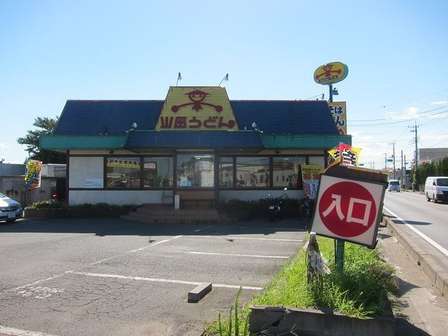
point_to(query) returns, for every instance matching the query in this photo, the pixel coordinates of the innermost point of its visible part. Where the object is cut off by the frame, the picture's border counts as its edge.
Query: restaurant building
(196, 143)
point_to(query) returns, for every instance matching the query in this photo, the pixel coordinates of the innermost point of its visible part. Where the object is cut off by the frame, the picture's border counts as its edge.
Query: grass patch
(361, 291)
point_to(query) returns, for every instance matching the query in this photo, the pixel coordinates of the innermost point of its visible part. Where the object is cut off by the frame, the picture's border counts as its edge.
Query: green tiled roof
(66, 142)
(306, 141)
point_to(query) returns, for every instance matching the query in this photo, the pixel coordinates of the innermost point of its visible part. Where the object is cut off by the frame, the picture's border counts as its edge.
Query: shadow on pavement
(405, 328)
(117, 226)
(412, 222)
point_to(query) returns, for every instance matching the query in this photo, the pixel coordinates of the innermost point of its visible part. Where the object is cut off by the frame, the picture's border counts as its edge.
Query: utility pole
(401, 170)
(414, 181)
(385, 161)
(393, 157)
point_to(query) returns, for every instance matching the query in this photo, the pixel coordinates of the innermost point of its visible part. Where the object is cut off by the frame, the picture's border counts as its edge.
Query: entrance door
(195, 179)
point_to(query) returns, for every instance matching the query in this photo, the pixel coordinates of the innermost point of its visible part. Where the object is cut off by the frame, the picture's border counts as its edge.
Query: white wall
(120, 197)
(86, 172)
(252, 195)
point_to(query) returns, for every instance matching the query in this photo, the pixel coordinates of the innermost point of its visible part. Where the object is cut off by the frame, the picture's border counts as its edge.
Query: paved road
(113, 277)
(429, 218)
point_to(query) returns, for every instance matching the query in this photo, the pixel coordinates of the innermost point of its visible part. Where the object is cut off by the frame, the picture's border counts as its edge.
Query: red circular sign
(347, 209)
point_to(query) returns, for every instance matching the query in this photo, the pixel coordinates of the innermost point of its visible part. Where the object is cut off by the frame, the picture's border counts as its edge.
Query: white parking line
(18, 332)
(284, 240)
(96, 263)
(421, 234)
(238, 255)
(180, 282)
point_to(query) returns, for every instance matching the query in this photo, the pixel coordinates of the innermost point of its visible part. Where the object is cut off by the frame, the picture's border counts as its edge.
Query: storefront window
(287, 172)
(252, 172)
(318, 160)
(123, 172)
(226, 172)
(195, 170)
(157, 172)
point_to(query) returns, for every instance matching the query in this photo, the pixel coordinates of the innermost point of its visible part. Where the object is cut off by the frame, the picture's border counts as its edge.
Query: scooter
(307, 207)
(275, 205)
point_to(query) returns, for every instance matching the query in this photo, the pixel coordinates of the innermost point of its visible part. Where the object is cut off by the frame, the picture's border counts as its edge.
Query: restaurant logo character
(330, 73)
(197, 109)
(197, 98)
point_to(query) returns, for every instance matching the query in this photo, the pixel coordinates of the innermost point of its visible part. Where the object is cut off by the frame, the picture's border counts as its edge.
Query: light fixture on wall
(255, 127)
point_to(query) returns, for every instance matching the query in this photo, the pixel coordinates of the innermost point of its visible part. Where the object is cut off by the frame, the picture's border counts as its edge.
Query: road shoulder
(419, 306)
(431, 261)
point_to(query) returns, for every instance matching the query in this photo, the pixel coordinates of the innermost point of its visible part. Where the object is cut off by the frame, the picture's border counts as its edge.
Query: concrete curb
(284, 321)
(424, 255)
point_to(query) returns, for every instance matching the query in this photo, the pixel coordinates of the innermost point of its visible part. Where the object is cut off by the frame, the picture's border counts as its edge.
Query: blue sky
(51, 51)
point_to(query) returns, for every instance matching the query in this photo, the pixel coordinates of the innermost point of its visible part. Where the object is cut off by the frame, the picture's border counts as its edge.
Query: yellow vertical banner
(33, 174)
(338, 111)
(310, 177)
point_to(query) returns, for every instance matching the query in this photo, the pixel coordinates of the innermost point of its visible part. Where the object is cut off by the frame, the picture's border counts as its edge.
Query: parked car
(394, 185)
(10, 209)
(436, 188)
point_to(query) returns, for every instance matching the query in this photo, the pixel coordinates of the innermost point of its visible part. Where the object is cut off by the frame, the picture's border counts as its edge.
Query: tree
(43, 126)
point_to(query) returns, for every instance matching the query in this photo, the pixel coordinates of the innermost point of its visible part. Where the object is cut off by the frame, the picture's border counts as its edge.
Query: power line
(430, 111)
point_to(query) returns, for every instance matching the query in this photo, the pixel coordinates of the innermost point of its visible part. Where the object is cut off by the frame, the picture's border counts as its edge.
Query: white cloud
(440, 102)
(410, 112)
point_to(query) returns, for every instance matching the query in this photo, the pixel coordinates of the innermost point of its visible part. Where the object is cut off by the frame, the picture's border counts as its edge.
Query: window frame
(194, 188)
(305, 161)
(105, 185)
(173, 161)
(141, 184)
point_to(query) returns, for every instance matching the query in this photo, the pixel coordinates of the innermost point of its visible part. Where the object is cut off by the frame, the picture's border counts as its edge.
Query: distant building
(427, 155)
(12, 182)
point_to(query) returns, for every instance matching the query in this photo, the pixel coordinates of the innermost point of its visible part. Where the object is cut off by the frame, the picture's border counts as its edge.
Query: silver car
(10, 209)
(394, 185)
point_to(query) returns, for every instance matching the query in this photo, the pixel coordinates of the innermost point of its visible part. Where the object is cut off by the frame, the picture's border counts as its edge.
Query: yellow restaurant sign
(197, 109)
(330, 73)
(339, 113)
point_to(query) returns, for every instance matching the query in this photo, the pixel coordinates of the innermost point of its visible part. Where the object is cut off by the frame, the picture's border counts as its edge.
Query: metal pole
(338, 244)
(405, 174)
(401, 170)
(339, 256)
(414, 180)
(393, 154)
(331, 93)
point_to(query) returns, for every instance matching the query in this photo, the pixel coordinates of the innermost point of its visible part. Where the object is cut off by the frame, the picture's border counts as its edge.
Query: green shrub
(47, 205)
(361, 291)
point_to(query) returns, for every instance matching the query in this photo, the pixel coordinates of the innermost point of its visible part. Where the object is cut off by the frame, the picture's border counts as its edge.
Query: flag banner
(310, 177)
(33, 174)
(344, 154)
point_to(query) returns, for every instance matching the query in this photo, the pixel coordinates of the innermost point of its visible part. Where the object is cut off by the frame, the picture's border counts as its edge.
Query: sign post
(348, 208)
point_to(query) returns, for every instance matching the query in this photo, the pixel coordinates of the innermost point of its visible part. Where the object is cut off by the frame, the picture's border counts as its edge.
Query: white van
(436, 188)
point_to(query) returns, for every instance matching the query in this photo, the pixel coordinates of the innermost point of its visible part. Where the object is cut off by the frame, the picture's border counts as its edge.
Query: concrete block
(199, 292)
(310, 322)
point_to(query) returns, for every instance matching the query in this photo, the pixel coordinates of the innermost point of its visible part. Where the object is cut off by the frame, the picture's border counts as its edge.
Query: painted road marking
(284, 240)
(421, 234)
(238, 255)
(95, 263)
(173, 281)
(135, 250)
(18, 332)
(39, 292)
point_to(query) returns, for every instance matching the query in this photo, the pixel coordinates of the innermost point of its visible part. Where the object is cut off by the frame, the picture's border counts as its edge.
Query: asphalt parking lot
(114, 277)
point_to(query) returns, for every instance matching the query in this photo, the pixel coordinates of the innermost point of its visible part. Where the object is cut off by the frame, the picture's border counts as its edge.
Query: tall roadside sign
(330, 73)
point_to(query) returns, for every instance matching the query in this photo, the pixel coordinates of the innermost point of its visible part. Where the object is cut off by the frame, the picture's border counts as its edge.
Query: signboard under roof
(200, 108)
